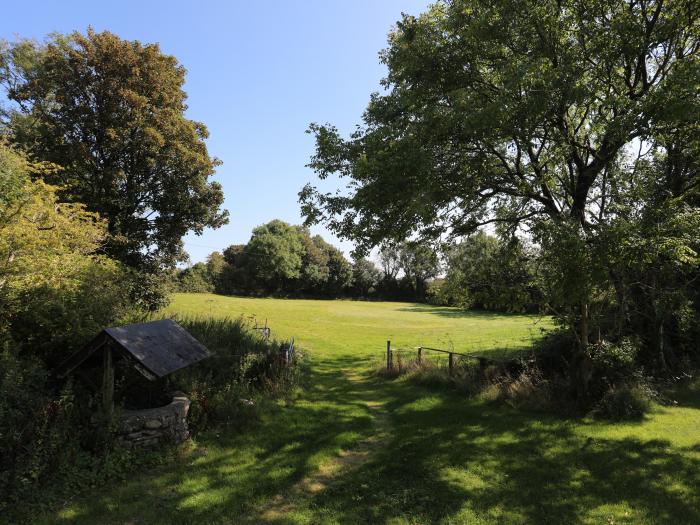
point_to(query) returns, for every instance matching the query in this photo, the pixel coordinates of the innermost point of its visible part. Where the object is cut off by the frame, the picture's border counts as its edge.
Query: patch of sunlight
(468, 514)
(463, 478)
(194, 484)
(424, 404)
(614, 514)
(70, 513)
(347, 437)
(202, 500)
(677, 426)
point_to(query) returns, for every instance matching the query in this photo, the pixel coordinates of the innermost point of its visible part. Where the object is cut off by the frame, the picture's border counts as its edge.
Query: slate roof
(159, 347)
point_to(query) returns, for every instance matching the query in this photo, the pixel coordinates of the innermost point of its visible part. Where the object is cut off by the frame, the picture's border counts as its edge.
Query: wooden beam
(107, 381)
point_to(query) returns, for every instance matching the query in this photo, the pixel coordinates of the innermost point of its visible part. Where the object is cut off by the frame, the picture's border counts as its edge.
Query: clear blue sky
(258, 73)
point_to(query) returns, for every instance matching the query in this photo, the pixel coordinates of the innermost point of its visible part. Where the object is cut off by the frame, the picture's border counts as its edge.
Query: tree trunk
(583, 327)
(581, 366)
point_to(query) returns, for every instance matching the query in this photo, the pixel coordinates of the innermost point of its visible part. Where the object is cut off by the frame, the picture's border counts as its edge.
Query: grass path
(355, 448)
(332, 469)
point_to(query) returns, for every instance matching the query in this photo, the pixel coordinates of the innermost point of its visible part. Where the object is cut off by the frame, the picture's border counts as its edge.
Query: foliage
(487, 273)
(573, 122)
(365, 277)
(625, 402)
(282, 259)
(274, 255)
(110, 113)
(501, 113)
(226, 388)
(55, 290)
(194, 279)
(434, 457)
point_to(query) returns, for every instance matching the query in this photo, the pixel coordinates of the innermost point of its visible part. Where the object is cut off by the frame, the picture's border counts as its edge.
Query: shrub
(615, 361)
(624, 401)
(38, 429)
(227, 387)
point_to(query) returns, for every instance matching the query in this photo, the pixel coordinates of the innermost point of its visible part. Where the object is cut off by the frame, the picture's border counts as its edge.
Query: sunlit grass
(447, 460)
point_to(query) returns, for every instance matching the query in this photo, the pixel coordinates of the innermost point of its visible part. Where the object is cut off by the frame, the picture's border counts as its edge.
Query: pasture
(356, 448)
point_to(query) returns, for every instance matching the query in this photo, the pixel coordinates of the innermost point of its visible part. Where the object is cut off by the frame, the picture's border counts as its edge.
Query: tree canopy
(111, 114)
(509, 112)
(546, 117)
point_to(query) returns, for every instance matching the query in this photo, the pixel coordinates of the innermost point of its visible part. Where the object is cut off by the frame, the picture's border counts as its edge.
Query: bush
(615, 361)
(38, 430)
(227, 388)
(625, 401)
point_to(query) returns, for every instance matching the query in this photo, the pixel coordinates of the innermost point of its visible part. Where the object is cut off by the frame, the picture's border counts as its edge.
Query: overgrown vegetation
(570, 125)
(100, 177)
(444, 457)
(226, 389)
(540, 378)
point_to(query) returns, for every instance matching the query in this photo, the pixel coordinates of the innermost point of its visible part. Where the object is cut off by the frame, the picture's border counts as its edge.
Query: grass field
(355, 448)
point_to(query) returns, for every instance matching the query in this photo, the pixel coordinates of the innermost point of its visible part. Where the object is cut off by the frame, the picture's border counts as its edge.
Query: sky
(259, 72)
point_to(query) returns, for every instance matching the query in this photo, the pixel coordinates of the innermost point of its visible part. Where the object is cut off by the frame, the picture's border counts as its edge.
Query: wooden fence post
(452, 364)
(420, 354)
(107, 381)
(389, 363)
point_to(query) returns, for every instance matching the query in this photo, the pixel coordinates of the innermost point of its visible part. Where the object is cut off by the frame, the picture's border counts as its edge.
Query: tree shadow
(448, 460)
(242, 471)
(458, 463)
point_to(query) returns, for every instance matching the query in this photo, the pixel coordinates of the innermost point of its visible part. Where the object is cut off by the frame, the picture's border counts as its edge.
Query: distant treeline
(280, 259)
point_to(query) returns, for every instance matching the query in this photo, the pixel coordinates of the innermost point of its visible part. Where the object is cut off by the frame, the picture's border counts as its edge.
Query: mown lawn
(444, 459)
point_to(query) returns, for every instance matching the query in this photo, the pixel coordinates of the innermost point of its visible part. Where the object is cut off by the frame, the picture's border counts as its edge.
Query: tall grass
(245, 368)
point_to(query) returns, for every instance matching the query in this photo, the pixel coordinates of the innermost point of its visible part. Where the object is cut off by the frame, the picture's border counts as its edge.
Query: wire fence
(400, 358)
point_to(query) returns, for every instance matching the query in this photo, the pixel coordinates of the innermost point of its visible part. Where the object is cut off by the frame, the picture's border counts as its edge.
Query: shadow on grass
(449, 460)
(453, 312)
(458, 462)
(241, 472)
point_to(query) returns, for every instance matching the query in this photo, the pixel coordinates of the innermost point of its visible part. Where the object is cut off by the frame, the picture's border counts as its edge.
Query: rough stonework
(153, 426)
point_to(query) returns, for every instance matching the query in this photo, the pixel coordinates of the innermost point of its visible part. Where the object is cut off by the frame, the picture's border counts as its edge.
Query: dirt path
(346, 461)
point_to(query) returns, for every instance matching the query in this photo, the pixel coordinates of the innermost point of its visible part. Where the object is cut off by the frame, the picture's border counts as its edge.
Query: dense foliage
(110, 113)
(573, 124)
(486, 273)
(56, 291)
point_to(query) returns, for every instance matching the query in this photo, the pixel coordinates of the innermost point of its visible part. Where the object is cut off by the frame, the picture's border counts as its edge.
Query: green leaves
(110, 112)
(509, 107)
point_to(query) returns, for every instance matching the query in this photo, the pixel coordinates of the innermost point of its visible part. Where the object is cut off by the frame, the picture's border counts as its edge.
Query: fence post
(420, 354)
(452, 364)
(389, 363)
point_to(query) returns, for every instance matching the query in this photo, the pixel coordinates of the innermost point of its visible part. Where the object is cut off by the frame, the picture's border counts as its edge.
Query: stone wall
(153, 426)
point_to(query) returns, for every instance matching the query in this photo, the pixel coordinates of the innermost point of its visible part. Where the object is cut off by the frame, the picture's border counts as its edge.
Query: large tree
(273, 256)
(111, 114)
(527, 114)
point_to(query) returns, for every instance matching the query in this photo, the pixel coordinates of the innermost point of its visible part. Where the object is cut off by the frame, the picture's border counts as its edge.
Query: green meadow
(353, 447)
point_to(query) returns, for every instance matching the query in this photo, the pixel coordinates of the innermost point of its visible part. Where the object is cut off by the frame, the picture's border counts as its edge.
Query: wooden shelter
(156, 349)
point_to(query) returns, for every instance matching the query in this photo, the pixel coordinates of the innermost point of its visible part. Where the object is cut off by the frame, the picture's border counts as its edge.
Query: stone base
(153, 426)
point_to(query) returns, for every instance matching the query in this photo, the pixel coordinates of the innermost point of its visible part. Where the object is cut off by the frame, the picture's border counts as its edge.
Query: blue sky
(258, 74)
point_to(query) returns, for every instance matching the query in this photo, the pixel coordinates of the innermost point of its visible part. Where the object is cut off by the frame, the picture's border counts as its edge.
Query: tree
(110, 113)
(339, 271)
(273, 256)
(195, 279)
(56, 290)
(419, 263)
(521, 114)
(365, 277)
(485, 272)
(314, 265)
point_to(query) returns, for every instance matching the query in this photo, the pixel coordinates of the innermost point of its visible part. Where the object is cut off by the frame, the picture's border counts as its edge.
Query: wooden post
(420, 354)
(107, 381)
(389, 363)
(452, 364)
